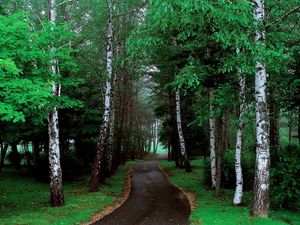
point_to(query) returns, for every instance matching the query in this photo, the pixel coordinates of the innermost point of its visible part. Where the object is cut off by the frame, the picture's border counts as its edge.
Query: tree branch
(131, 12)
(284, 16)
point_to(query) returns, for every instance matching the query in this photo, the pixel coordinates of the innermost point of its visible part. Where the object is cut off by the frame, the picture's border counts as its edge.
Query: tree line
(68, 91)
(235, 64)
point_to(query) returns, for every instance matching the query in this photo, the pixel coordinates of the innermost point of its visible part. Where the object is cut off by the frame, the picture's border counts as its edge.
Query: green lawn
(23, 200)
(211, 210)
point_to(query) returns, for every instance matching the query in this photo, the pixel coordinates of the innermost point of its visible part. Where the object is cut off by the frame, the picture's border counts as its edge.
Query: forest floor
(153, 200)
(209, 210)
(23, 200)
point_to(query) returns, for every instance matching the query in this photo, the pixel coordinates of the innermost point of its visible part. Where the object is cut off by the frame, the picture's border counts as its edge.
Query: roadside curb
(191, 197)
(117, 203)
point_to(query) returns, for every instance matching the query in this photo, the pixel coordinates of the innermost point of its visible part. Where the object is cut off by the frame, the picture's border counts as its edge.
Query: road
(153, 200)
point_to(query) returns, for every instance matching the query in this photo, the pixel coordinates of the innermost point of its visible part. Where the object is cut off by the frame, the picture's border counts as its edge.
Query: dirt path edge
(118, 202)
(189, 195)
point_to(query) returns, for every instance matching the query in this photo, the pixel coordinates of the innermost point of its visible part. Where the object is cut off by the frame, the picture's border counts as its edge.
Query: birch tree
(212, 140)
(180, 134)
(56, 186)
(260, 205)
(239, 141)
(102, 142)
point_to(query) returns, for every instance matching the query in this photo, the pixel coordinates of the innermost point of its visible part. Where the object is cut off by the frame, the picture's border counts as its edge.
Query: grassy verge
(211, 210)
(23, 200)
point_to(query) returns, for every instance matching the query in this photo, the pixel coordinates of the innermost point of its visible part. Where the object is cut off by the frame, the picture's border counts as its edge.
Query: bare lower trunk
(102, 142)
(3, 154)
(262, 169)
(274, 128)
(156, 136)
(238, 147)
(298, 125)
(56, 187)
(212, 140)
(221, 144)
(290, 133)
(180, 134)
(36, 153)
(111, 142)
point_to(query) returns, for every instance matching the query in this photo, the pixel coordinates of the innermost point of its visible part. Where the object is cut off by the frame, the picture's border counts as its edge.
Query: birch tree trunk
(111, 142)
(56, 186)
(262, 171)
(104, 128)
(239, 141)
(3, 154)
(180, 134)
(212, 141)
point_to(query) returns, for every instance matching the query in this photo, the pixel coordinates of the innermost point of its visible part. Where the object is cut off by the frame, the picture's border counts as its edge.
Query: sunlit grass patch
(23, 200)
(211, 210)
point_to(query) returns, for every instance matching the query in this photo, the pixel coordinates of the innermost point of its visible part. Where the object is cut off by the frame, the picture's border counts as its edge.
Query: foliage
(25, 78)
(285, 177)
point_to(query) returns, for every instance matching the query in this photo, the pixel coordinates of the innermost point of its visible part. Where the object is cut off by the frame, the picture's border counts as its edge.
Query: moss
(23, 200)
(211, 210)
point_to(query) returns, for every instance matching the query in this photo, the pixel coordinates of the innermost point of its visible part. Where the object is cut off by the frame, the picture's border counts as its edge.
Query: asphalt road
(153, 200)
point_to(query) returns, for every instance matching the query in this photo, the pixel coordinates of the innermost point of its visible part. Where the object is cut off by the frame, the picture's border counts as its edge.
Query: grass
(23, 200)
(220, 211)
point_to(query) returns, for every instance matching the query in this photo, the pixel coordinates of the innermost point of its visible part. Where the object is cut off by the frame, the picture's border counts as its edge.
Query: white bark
(155, 138)
(56, 188)
(261, 183)
(110, 151)
(239, 141)
(180, 132)
(104, 128)
(212, 141)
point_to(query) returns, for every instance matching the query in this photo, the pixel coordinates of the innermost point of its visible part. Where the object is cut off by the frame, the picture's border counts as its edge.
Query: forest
(149, 112)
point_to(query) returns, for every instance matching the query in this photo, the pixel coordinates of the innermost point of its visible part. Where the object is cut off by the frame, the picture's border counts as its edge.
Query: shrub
(285, 179)
(72, 168)
(228, 169)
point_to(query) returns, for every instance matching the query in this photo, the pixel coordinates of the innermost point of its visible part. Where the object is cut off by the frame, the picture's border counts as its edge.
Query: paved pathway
(153, 200)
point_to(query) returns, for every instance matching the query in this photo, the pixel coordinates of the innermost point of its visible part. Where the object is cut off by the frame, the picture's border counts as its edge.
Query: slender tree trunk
(183, 152)
(274, 127)
(298, 125)
(111, 140)
(156, 136)
(212, 140)
(169, 150)
(16, 159)
(56, 186)
(120, 129)
(221, 134)
(130, 134)
(36, 152)
(27, 153)
(239, 141)
(104, 128)
(3, 154)
(262, 169)
(290, 133)
(149, 138)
